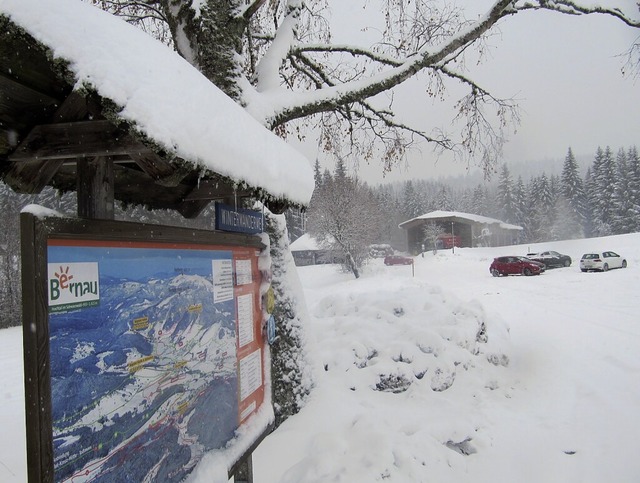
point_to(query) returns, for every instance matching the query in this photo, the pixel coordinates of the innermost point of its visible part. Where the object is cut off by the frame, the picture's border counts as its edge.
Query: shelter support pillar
(95, 185)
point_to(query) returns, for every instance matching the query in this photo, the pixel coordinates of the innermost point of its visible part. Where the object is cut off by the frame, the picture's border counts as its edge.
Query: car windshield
(590, 256)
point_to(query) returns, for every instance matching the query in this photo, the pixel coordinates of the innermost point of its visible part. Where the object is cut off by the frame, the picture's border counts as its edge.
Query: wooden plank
(105, 230)
(191, 209)
(37, 378)
(16, 98)
(163, 172)
(31, 178)
(74, 139)
(73, 108)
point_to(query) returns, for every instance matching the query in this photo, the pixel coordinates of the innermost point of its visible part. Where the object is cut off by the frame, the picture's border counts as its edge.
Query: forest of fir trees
(603, 200)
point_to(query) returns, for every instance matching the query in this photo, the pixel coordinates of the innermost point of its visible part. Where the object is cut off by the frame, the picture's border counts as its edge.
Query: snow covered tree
(573, 195)
(542, 215)
(340, 173)
(601, 191)
(443, 202)
(481, 201)
(431, 231)
(346, 219)
(391, 217)
(633, 160)
(520, 202)
(623, 210)
(504, 196)
(10, 284)
(566, 225)
(290, 380)
(412, 205)
(278, 60)
(317, 174)
(589, 188)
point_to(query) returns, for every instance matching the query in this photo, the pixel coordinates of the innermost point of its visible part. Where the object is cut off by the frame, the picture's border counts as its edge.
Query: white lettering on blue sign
(238, 220)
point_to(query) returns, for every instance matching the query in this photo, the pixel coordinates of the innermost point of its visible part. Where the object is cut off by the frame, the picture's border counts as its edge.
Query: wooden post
(244, 471)
(95, 185)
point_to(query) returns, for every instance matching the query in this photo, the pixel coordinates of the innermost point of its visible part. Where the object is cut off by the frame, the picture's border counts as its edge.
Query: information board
(155, 350)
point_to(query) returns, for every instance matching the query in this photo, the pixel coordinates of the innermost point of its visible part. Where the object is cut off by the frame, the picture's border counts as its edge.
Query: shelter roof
(78, 83)
(305, 243)
(457, 216)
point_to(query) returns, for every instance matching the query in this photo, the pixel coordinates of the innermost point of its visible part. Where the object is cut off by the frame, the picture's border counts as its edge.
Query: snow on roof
(439, 214)
(305, 242)
(167, 98)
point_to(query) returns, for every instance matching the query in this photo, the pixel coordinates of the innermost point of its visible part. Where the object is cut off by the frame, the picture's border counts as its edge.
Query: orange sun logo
(63, 277)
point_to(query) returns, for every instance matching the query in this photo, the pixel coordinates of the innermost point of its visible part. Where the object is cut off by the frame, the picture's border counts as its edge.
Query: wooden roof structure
(52, 134)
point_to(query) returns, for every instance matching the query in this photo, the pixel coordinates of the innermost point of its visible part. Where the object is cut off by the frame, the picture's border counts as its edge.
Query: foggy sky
(564, 71)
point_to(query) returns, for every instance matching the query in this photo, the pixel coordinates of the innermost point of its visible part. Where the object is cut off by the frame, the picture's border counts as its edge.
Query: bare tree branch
(278, 60)
(329, 98)
(573, 8)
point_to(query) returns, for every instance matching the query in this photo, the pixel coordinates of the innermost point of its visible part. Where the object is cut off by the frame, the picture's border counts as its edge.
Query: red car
(515, 266)
(397, 260)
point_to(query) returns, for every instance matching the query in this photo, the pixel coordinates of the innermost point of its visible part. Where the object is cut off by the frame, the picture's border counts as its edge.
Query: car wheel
(495, 273)
(605, 267)
(583, 269)
(567, 263)
(624, 264)
(526, 272)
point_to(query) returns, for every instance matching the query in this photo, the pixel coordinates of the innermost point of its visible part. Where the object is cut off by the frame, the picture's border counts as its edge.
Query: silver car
(602, 261)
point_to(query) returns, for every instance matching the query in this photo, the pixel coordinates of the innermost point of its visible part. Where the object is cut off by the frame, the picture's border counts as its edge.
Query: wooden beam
(216, 190)
(95, 188)
(163, 172)
(31, 178)
(18, 98)
(74, 139)
(191, 209)
(73, 108)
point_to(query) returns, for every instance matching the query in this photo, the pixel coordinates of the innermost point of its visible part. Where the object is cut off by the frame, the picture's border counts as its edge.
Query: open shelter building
(472, 230)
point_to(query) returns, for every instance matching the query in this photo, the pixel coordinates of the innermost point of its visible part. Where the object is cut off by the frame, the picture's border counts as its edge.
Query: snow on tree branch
(278, 59)
(575, 8)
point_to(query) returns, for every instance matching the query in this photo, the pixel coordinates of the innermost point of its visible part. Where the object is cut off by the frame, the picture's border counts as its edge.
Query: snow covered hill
(448, 375)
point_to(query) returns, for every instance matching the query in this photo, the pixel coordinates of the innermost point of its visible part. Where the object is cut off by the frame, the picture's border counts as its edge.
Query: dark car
(551, 259)
(397, 260)
(514, 265)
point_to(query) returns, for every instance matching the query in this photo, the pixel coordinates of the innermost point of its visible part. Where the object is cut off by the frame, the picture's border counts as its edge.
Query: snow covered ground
(450, 375)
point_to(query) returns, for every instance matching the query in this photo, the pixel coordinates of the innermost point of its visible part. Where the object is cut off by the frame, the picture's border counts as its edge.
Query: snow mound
(414, 334)
(384, 356)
